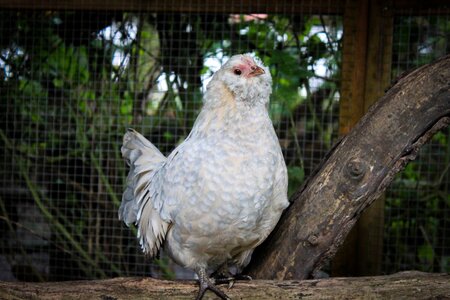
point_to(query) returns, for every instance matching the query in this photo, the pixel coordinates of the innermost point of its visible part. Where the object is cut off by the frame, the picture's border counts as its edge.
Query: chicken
(220, 193)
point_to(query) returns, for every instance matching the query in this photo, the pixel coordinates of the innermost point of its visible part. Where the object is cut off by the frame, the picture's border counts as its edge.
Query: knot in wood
(356, 169)
(313, 239)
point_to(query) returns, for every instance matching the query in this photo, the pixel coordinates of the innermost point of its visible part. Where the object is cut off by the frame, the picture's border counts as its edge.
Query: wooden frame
(223, 6)
(366, 73)
(409, 7)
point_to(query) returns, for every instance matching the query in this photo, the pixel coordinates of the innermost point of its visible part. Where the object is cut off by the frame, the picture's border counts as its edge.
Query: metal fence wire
(417, 207)
(72, 81)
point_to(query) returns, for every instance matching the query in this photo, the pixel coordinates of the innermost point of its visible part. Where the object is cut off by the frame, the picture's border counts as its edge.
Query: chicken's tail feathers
(137, 150)
(137, 204)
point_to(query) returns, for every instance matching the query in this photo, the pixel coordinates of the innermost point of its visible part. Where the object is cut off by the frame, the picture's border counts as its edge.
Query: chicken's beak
(256, 71)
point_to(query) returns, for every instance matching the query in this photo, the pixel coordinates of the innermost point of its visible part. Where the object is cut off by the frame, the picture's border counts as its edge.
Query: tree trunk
(405, 285)
(354, 173)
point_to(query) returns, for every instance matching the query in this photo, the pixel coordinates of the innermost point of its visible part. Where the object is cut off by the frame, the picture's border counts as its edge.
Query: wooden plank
(399, 7)
(361, 254)
(351, 106)
(222, 6)
(379, 54)
(354, 51)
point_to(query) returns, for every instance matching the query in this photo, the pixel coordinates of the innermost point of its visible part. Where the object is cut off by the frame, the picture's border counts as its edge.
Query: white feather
(144, 159)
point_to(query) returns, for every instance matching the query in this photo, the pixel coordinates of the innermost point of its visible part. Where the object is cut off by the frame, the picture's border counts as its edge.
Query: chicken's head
(246, 78)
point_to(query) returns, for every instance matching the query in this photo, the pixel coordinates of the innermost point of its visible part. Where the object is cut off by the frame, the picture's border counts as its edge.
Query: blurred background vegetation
(72, 82)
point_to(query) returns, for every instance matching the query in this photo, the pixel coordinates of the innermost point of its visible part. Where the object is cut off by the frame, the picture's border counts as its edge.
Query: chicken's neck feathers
(231, 115)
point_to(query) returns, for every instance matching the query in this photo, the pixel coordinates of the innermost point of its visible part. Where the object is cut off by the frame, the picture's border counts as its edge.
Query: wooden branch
(405, 285)
(354, 173)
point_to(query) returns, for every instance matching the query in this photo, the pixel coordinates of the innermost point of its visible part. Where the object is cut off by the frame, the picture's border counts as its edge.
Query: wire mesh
(72, 81)
(417, 210)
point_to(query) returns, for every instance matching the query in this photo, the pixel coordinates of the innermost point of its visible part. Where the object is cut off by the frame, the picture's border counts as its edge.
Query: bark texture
(405, 285)
(354, 173)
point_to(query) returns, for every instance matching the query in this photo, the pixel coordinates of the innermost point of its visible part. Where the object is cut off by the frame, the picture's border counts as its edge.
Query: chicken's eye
(237, 72)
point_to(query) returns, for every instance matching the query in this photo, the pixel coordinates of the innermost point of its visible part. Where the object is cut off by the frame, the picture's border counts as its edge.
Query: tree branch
(354, 173)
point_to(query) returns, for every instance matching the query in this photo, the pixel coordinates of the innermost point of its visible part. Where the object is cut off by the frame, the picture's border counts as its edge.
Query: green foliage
(417, 208)
(417, 202)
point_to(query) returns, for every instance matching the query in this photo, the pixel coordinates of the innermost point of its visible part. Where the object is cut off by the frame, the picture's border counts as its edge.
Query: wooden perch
(354, 173)
(405, 285)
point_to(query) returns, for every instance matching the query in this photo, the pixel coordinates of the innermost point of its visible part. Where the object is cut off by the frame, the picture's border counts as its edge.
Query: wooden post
(367, 52)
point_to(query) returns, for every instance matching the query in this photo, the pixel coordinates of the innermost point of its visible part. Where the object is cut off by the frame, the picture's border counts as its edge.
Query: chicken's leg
(224, 276)
(206, 283)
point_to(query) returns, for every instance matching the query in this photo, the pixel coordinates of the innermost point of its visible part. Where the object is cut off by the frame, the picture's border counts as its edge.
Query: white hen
(220, 193)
